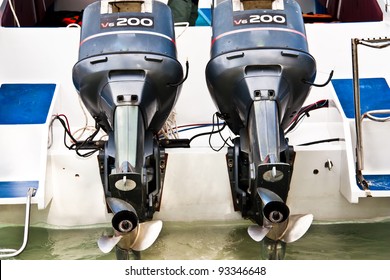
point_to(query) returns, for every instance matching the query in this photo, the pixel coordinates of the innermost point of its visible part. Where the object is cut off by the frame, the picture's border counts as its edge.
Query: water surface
(210, 241)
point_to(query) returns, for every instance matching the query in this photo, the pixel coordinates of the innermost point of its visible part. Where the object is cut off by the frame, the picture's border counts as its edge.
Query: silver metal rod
(370, 115)
(356, 94)
(372, 43)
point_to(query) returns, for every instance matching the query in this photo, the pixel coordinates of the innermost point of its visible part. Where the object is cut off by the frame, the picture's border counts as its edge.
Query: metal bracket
(378, 43)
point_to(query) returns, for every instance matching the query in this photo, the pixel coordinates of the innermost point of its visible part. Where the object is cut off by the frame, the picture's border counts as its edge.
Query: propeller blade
(297, 226)
(147, 235)
(257, 233)
(116, 205)
(267, 195)
(107, 243)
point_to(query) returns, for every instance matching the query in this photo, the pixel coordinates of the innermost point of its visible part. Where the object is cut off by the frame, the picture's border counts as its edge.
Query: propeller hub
(125, 226)
(125, 221)
(276, 212)
(275, 217)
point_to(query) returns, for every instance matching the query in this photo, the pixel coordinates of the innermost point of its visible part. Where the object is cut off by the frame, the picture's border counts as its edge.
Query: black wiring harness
(217, 127)
(304, 112)
(87, 144)
(215, 124)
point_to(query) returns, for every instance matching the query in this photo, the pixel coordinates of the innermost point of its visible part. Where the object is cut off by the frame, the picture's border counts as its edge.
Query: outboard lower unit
(259, 76)
(129, 79)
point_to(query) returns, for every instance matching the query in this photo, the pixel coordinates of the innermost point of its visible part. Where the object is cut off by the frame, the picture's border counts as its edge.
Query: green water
(226, 241)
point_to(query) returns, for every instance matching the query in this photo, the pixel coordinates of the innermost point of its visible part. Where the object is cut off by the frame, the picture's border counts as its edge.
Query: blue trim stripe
(16, 189)
(25, 103)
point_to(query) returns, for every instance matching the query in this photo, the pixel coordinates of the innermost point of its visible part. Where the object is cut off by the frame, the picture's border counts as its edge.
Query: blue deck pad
(25, 103)
(374, 95)
(16, 189)
(204, 17)
(377, 182)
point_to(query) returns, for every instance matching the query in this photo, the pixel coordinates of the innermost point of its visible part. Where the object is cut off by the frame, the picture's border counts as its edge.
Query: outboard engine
(129, 79)
(259, 75)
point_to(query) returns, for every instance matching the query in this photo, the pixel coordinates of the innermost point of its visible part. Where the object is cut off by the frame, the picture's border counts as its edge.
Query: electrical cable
(11, 6)
(185, 76)
(225, 141)
(322, 141)
(304, 112)
(76, 145)
(208, 133)
(215, 123)
(319, 85)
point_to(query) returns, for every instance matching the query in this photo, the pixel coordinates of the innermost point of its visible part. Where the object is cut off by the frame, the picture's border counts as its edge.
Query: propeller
(293, 229)
(278, 224)
(129, 233)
